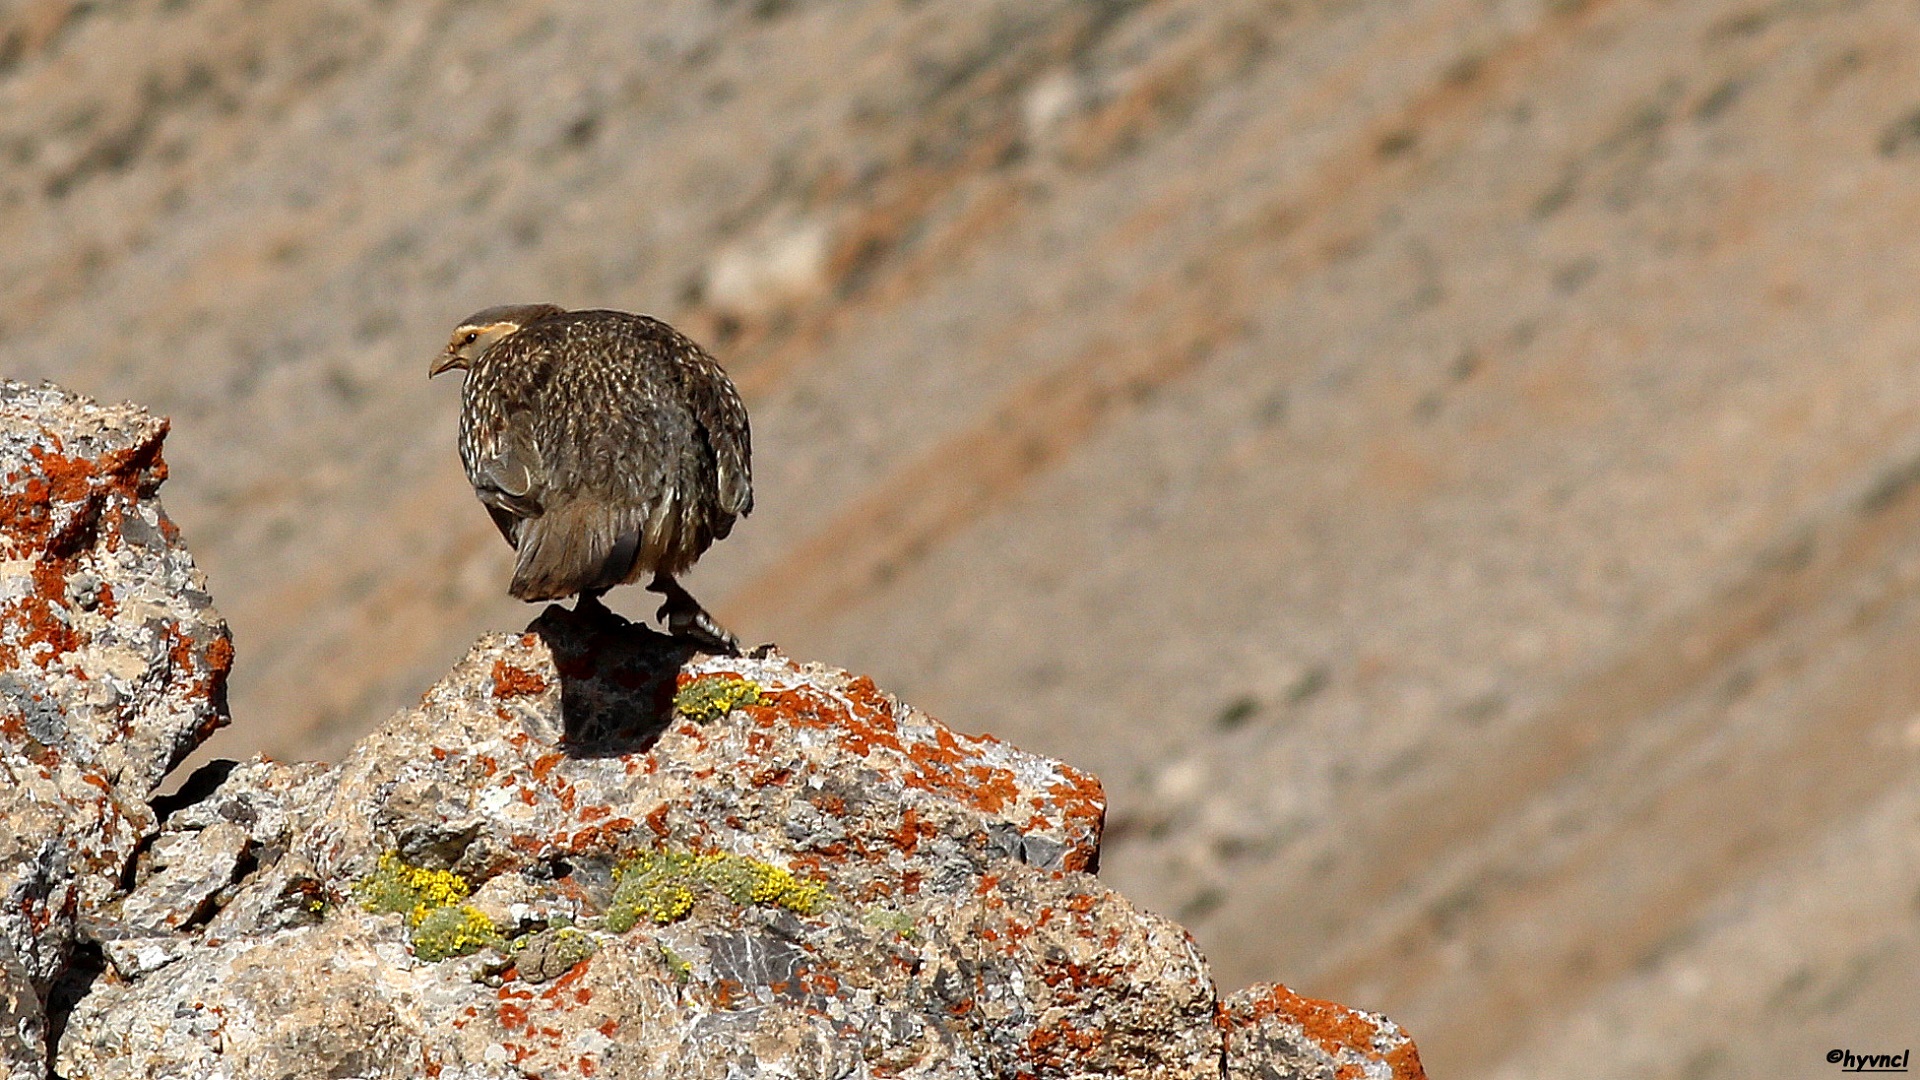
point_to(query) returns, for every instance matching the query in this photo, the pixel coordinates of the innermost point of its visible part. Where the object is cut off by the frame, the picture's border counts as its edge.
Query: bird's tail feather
(574, 547)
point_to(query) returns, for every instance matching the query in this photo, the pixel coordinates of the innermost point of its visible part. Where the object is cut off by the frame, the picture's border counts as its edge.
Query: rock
(263, 798)
(191, 873)
(1274, 1032)
(113, 667)
(926, 924)
(23, 1020)
(133, 951)
(551, 954)
(588, 851)
(111, 651)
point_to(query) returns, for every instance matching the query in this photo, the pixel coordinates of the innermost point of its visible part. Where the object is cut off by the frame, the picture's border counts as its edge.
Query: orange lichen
(813, 981)
(565, 986)
(25, 514)
(180, 653)
(49, 576)
(862, 692)
(1335, 1028)
(510, 681)
(44, 628)
(1061, 1044)
(1074, 980)
(219, 652)
(907, 836)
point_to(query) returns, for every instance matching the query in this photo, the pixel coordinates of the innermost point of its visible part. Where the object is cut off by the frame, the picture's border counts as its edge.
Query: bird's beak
(447, 361)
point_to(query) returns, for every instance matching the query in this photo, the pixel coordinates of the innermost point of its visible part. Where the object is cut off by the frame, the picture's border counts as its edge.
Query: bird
(607, 447)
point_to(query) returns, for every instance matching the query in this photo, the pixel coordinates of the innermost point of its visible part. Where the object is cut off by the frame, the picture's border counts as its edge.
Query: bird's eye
(469, 338)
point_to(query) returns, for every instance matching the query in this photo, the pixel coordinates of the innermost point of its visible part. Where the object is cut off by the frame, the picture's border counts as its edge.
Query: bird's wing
(722, 418)
(504, 479)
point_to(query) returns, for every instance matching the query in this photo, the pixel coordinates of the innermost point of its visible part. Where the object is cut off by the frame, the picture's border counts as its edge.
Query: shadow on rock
(617, 679)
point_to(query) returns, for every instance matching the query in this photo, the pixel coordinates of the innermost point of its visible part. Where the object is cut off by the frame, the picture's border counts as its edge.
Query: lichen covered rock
(807, 878)
(587, 852)
(113, 666)
(1274, 1032)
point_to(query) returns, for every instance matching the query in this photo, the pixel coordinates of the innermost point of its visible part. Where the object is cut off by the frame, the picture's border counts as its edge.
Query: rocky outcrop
(113, 666)
(588, 851)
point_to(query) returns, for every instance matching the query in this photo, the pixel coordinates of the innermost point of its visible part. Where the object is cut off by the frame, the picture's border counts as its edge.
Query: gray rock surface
(587, 851)
(113, 666)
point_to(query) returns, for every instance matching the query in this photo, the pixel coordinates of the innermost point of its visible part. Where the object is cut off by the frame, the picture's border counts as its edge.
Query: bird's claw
(685, 618)
(698, 626)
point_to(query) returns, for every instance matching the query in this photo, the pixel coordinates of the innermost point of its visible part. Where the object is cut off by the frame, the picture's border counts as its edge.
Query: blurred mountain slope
(1447, 465)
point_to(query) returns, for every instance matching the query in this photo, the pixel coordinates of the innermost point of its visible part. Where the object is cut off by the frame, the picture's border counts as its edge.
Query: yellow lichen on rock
(439, 925)
(781, 889)
(711, 697)
(453, 930)
(661, 886)
(398, 887)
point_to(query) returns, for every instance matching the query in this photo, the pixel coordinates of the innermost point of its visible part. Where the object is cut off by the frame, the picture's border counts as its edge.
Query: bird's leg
(685, 617)
(590, 604)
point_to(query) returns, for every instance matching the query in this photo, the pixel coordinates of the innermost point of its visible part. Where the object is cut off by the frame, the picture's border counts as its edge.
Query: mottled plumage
(606, 446)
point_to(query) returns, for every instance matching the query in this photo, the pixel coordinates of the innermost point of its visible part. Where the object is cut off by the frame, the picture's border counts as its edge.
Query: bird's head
(482, 330)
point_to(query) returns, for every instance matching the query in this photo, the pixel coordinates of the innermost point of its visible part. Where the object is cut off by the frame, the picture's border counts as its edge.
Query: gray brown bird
(606, 446)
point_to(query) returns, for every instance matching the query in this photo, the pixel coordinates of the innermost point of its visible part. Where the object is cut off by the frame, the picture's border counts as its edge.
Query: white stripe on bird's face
(469, 343)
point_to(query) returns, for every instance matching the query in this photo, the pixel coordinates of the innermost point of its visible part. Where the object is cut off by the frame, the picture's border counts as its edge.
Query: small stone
(551, 953)
(84, 590)
(135, 957)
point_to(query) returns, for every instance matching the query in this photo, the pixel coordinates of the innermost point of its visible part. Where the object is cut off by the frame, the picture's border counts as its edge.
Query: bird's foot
(685, 618)
(699, 627)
